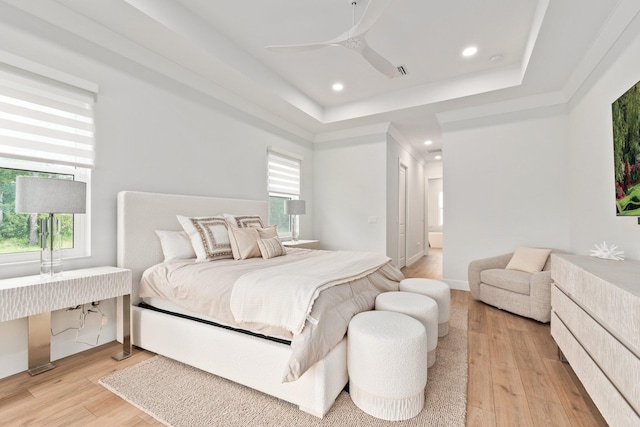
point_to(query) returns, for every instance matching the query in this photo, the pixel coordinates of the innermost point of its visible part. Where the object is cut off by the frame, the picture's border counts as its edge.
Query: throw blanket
(283, 296)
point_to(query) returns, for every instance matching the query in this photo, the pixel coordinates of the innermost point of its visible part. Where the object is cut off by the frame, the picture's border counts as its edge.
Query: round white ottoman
(437, 290)
(419, 307)
(385, 361)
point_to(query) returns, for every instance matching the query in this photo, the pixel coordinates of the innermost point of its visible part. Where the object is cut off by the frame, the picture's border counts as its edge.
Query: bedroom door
(402, 216)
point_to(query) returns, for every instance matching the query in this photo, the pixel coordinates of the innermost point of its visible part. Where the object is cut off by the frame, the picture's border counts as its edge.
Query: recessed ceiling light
(337, 87)
(470, 51)
(428, 142)
(438, 157)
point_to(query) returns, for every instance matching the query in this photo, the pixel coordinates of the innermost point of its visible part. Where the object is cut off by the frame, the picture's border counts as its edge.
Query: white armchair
(519, 292)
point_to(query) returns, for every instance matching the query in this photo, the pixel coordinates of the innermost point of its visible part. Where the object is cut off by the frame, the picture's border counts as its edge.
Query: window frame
(281, 233)
(39, 77)
(81, 222)
(293, 196)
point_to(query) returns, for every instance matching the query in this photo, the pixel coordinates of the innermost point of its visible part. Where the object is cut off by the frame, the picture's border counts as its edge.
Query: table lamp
(294, 208)
(50, 196)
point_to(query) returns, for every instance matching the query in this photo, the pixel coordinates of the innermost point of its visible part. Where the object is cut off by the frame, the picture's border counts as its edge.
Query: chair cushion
(510, 280)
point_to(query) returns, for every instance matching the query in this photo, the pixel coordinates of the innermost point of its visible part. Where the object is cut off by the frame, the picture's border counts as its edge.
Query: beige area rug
(179, 395)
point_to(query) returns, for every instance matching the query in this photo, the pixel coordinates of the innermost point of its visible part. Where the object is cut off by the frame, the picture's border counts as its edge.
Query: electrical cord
(81, 322)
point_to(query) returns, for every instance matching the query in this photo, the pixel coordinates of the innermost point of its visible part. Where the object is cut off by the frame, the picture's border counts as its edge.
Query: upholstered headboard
(140, 214)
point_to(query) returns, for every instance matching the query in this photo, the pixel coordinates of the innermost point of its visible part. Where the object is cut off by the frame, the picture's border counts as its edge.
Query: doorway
(402, 216)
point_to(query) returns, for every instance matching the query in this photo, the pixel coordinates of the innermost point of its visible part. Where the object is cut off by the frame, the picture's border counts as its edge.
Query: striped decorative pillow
(271, 248)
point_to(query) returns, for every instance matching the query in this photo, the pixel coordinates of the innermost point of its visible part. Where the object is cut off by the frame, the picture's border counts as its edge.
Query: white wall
(356, 195)
(593, 218)
(415, 221)
(152, 135)
(349, 190)
(506, 183)
(540, 177)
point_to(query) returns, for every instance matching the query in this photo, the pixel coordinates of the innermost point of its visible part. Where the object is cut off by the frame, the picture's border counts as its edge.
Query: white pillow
(175, 245)
(529, 260)
(208, 235)
(271, 247)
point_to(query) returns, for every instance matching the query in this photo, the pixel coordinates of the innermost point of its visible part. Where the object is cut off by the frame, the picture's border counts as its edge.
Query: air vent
(438, 151)
(402, 70)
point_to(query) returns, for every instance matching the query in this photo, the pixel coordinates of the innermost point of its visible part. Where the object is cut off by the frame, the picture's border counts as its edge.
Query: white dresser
(595, 321)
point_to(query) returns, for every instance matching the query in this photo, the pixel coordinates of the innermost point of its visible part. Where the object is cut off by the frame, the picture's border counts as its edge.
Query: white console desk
(36, 297)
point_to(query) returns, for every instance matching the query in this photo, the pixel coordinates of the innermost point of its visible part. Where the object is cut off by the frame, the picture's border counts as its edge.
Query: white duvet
(283, 295)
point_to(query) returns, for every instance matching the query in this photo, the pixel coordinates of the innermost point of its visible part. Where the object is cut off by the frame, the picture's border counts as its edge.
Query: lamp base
(50, 256)
(50, 262)
(294, 228)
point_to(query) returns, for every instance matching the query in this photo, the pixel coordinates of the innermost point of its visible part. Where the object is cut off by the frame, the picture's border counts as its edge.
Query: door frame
(401, 167)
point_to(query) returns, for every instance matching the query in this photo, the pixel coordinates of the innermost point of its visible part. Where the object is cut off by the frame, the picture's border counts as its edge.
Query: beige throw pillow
(268, 232)
(244, 241)
(530, 260)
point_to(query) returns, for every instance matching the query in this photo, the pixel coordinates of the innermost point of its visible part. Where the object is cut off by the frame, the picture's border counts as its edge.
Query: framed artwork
(626, 151)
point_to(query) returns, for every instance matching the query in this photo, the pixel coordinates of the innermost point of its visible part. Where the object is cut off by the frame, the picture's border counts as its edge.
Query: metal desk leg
(124, 301)
(40, 343)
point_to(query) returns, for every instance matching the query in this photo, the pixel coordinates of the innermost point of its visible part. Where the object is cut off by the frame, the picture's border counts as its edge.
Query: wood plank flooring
(515, 377)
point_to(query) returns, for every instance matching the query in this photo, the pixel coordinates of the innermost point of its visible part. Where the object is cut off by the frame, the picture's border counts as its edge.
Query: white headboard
(140, 214)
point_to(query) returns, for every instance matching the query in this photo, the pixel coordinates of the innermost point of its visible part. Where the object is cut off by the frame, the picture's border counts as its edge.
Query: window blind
(45, 121)
(284, 174)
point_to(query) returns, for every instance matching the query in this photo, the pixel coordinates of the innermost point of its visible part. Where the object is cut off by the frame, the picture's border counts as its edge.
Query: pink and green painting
(626, 151)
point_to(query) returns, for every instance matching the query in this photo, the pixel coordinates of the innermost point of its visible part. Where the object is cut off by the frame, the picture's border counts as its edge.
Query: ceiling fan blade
(375, 9)
(379, 62)
(300, 47)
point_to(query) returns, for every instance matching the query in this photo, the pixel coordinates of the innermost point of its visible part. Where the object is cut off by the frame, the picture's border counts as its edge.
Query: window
(46, 130)
(284, 184)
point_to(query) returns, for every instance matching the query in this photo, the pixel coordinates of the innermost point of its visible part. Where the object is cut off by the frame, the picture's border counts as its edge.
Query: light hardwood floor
(515, 377)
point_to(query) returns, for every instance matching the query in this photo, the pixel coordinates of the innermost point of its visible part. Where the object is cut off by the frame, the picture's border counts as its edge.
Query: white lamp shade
(48, 195)
(294, 207)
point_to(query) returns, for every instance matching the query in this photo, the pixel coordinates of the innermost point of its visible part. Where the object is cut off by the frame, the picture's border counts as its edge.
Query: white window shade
(284, 174)
(45, 121)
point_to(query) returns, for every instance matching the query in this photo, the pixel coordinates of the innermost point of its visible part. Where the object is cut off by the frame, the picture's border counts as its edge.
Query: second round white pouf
(437, 290)
(419, 307)
(385, 361)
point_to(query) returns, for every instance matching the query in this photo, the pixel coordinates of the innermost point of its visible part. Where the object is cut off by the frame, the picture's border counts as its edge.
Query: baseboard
(462, 285)
(415, 258)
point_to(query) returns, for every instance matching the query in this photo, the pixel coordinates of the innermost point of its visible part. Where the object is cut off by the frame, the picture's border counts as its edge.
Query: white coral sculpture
(607, 252)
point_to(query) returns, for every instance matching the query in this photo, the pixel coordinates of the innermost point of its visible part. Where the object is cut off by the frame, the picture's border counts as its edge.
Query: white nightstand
(304, 244)
(36, 297)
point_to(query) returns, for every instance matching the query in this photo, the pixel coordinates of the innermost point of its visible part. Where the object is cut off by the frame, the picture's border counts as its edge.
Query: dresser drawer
(613, 406)
(614, 359)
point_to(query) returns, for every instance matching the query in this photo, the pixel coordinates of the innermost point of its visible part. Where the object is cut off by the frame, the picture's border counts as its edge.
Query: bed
(245, 358)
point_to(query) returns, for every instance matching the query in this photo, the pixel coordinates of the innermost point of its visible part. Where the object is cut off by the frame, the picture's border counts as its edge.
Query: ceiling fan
(355, 38)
